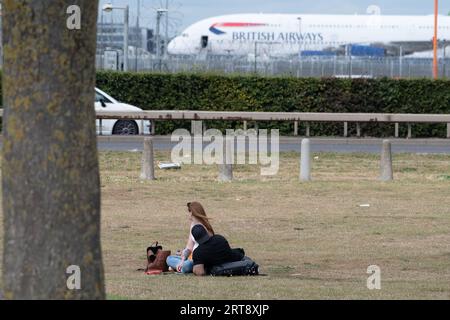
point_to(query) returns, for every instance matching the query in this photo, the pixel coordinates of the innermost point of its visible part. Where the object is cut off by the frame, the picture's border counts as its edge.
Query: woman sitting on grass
(183, 263)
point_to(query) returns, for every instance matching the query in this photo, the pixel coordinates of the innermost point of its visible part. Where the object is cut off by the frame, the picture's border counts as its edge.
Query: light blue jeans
(174, 261)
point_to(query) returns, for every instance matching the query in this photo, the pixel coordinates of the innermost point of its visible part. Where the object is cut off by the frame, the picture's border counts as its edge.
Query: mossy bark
(50, 170)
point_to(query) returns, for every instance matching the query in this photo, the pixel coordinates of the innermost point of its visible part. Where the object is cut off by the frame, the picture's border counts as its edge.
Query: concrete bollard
(148, 161)
(305, 161)
(226, 168)
(386, 162)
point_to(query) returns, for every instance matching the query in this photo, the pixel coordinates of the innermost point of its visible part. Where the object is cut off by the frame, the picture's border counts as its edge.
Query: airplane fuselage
(284, 34)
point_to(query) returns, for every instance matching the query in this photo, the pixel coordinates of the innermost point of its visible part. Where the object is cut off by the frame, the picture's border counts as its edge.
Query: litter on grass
(169, 165)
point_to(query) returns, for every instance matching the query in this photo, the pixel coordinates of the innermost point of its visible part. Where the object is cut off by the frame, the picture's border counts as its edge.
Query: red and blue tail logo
(215, 27)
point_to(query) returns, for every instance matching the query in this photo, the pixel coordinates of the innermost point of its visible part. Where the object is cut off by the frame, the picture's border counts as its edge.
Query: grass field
(313, 240)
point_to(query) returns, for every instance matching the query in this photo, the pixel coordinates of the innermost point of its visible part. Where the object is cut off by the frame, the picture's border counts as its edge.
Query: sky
(186, 12)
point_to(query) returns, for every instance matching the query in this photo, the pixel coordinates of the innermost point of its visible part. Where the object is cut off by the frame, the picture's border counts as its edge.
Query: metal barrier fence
(296, 117)
(392, 67)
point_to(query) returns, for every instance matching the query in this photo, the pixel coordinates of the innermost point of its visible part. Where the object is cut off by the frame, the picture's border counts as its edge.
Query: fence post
(153, 127)
(345, 129)
(386, 162)
(448, 130)
(397, 130)
(148, 161)
(245, 125)
(308, 129)
(143, 128)
(101, 126)
(295, 128)
(305, 161)
(358, 130)
(226, 167)
(409, 131)
(196, 127)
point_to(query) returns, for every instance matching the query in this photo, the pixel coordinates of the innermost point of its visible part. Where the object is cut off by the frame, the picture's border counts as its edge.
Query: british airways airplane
(290, 34)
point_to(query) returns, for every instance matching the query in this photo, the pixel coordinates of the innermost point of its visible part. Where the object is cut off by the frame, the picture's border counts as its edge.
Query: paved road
(339, 145)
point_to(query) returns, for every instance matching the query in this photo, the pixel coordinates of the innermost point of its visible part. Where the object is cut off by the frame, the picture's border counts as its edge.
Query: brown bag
(156, 259)
(152, 251)
(159, 263)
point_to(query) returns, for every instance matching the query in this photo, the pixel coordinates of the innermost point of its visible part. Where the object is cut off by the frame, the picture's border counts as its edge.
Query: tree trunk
(50, 171)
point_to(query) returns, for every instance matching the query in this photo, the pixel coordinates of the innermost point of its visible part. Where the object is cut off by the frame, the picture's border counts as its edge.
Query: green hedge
(281, 94)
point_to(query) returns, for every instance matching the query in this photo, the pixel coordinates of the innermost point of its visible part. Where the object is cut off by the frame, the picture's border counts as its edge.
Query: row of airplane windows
(306, 42)
(359, 26)
(350, 26)
(432, 27)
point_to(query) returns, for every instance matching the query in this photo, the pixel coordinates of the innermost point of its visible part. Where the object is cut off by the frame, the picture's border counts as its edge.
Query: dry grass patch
(313, 240)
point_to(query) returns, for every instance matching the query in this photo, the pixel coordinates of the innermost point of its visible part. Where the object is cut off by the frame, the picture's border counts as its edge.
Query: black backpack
(244, 267)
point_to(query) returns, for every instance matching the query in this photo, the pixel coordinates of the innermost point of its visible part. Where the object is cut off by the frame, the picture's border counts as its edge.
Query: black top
(215, 251)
